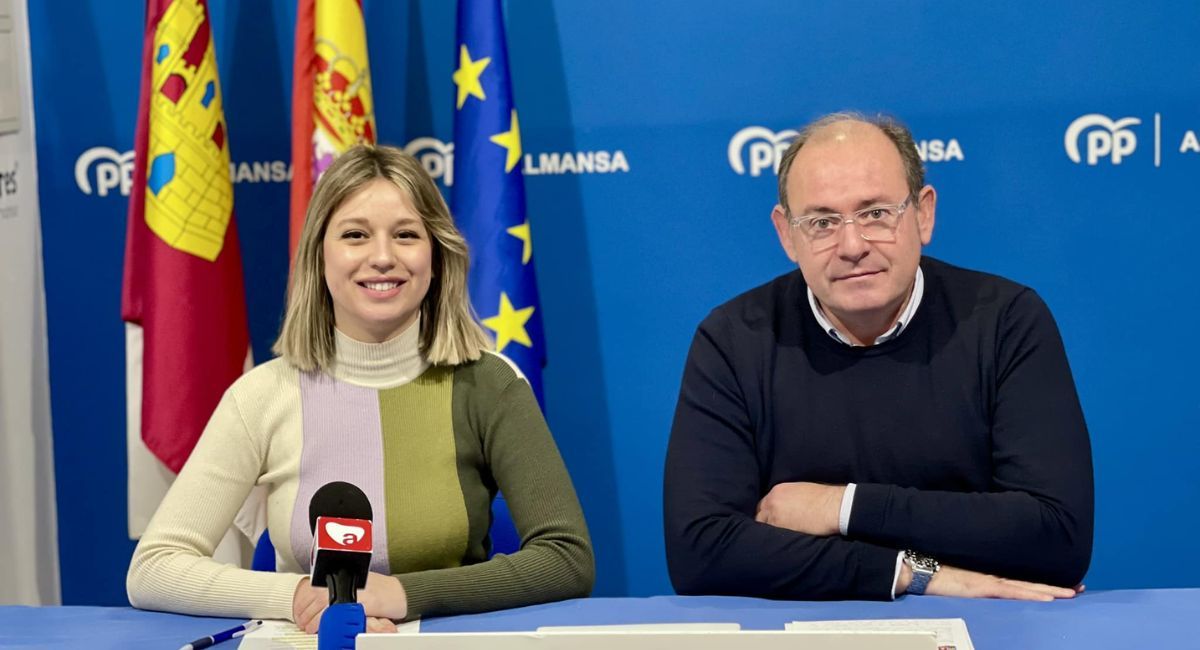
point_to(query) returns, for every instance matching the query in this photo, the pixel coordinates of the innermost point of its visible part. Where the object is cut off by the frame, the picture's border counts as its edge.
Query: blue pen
(231, 633)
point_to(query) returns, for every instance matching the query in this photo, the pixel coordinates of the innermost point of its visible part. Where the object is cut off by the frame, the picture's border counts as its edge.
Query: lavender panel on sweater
(343, 441)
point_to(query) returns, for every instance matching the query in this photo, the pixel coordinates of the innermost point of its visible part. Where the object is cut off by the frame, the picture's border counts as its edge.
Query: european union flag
(488, 194)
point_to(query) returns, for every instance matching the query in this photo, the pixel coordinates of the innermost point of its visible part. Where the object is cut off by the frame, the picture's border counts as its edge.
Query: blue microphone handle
(340, 624)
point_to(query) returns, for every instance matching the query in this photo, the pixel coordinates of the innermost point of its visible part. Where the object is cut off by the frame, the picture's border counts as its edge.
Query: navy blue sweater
(964, 435)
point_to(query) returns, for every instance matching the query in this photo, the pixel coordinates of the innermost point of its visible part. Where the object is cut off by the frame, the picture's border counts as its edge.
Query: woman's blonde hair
(450, 332)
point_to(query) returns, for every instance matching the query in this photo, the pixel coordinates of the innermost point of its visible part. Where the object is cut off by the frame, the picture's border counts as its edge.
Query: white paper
(951, 632)
(645, 627)
(284, 635)
(608, 639)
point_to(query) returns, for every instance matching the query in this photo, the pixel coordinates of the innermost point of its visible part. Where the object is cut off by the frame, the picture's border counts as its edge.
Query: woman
(385, 381)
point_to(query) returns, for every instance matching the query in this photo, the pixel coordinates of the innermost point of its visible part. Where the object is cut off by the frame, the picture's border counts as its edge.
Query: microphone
(340, 518)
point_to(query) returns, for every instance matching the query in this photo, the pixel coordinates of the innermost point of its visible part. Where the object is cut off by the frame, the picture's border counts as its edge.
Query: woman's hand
(380, 625)
(308, 602)
(383, 599)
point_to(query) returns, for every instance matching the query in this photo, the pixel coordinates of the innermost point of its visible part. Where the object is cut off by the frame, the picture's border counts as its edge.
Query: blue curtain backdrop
(649, 194)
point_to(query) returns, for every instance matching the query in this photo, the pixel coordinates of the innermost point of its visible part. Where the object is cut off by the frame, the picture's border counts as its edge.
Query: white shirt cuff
(896, 578)
(844, 512)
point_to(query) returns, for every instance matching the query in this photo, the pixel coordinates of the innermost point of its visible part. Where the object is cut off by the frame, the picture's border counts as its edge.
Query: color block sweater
(429, 445)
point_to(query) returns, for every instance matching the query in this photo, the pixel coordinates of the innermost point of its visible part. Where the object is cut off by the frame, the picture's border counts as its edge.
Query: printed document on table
(284, 635)
(951, 632)
(645, 627)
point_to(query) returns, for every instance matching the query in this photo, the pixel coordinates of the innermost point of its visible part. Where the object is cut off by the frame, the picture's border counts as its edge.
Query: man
(875, 423)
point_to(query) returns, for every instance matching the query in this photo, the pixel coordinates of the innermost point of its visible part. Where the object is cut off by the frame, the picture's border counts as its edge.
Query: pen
(231, 633)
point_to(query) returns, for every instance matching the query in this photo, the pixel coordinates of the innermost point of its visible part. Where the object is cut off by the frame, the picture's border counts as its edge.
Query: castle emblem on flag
(188, 159)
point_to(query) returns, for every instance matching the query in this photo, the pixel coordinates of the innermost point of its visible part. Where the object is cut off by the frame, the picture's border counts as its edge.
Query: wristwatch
(923, 567)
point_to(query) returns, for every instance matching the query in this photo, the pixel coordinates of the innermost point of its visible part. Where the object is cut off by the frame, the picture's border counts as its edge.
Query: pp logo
(114, 170)
(1106, 138)
(344, 535)
(764, 147)
(435, 156)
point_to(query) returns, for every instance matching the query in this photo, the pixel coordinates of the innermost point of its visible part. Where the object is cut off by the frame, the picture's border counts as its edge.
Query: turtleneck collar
(380, 365)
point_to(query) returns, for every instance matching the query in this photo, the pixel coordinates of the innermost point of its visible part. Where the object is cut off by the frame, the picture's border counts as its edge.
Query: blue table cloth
(1158, 618)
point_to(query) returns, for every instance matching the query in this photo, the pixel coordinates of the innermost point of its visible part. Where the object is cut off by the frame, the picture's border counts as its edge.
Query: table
(1154, 618)
(1158, 618)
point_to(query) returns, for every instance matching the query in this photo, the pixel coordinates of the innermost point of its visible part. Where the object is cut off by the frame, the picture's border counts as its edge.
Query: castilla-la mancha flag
(332, 109)
(183, 296)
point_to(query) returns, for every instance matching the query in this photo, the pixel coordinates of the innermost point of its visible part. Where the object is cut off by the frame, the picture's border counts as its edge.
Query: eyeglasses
(875, 224)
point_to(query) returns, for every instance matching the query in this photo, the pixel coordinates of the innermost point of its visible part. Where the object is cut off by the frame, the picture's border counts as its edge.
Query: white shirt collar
(906, 316)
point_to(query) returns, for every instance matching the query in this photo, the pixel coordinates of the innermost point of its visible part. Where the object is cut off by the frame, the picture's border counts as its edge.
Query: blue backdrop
(649, 195)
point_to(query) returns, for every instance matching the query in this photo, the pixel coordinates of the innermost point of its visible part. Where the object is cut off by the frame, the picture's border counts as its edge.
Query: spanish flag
(183, 298)
(332, 108)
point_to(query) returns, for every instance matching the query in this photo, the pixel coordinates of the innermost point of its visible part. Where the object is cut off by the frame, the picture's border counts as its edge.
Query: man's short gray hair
(914, 169)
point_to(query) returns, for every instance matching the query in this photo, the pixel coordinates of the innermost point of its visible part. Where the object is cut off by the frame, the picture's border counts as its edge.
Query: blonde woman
(383, 380)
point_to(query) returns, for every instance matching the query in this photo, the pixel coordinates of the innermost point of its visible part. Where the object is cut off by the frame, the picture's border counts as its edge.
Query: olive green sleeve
(497, 407)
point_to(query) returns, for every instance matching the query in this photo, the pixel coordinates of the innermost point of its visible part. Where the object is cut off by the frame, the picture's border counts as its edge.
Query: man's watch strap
(923, 567)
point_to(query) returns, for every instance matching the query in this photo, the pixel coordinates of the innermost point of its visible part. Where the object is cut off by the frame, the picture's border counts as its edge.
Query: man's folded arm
(711, 489)
(1036, 521)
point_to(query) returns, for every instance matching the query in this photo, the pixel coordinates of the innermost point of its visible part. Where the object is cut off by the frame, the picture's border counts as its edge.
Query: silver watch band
(923, 567)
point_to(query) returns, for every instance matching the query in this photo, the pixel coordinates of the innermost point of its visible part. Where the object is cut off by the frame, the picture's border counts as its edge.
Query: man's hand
(961, 583)
(383, 600)
(809, 508)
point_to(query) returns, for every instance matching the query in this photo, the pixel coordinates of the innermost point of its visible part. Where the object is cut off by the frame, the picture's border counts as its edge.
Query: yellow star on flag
(511, 140)
(522, 232)
(466, 77)
(509, 324)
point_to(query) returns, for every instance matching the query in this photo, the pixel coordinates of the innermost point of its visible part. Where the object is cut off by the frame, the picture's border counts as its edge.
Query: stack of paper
(951, 633)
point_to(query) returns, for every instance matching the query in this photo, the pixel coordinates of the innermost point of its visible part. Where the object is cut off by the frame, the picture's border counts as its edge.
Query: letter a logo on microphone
(346, 534)
(342, 534)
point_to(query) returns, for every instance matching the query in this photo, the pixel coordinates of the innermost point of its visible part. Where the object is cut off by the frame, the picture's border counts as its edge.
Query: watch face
(923, 562)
